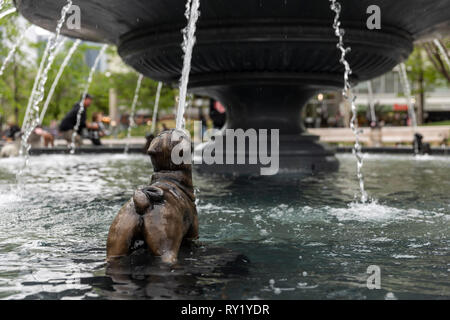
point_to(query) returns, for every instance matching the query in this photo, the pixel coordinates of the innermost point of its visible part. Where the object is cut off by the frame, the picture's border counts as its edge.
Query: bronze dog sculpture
(161, 215)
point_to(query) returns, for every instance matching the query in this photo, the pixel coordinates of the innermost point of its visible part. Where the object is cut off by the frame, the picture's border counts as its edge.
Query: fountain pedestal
(270, 106)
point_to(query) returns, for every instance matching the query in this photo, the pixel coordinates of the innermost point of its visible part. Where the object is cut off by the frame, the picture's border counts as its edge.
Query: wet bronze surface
(162, 215)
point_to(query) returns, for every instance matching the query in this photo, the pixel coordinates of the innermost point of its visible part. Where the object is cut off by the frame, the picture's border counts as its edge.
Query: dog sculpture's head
(170, 151)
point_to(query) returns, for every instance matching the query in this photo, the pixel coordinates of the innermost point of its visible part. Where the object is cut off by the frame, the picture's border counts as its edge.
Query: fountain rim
(150, 42)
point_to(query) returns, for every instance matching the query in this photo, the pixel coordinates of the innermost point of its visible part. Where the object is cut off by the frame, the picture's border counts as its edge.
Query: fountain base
(258, 106)
(301, 154)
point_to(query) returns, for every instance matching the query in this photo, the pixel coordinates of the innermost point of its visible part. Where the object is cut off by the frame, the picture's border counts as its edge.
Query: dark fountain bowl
(263, 59)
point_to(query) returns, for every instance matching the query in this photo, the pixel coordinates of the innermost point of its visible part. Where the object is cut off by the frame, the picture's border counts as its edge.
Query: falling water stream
(38, 78)
(348, 94)
(38, 95)
(2, 4)
(7, 12)
(57, 78)
(192, 14)
(442, 51)
(155, 108)
(133, 111)
(407, 92)
(12, 51)
(32, 114)
(45, 65)
(373, 115)
(85, 92)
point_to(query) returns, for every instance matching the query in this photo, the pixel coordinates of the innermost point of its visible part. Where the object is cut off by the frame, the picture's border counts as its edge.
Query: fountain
(264, 61)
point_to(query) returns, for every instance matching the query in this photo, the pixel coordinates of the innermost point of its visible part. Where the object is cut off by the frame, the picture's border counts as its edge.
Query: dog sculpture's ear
(149, 138)
(152, 148)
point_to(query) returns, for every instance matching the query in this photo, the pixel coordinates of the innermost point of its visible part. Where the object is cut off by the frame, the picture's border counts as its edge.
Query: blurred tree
(17, 79)
(72, 82)
(424, 77)
(435, 56)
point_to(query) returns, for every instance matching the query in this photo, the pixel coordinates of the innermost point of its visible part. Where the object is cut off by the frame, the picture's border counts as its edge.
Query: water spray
(32, 114)
(155, 108)
(12, 51)
(442, 51)
(7, 12)
(192, 14)
(348, 94)
(411, 110)
(133, 111)
(83, 97)
(57, 78)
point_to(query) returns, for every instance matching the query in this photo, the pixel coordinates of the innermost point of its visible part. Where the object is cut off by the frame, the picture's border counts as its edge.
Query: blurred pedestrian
(49, 139)
(12, 132)
(69, 122)
(95, 134)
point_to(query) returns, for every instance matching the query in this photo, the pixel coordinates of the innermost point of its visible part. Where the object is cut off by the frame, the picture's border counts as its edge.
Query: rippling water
(272, 238)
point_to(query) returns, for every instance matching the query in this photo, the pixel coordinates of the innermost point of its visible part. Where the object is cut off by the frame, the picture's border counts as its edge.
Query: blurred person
(69, 122)
(12, 131)
(204, 123)
(217, 113)
(96, 134)
(12, 136)
(53, 128)
(49, 139)
(10, 149)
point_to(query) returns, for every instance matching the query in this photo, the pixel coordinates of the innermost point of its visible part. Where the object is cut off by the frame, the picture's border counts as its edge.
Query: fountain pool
(296, 238)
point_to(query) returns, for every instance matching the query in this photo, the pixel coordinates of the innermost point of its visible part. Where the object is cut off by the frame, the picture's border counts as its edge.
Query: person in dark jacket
(11, 132)
(69, 122)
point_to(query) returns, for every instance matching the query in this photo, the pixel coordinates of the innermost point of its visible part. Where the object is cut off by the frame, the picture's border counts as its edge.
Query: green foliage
(138, 131)
(439, 123)
(75, 75)
(421, 70)
(18, 77)
(17, 81)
